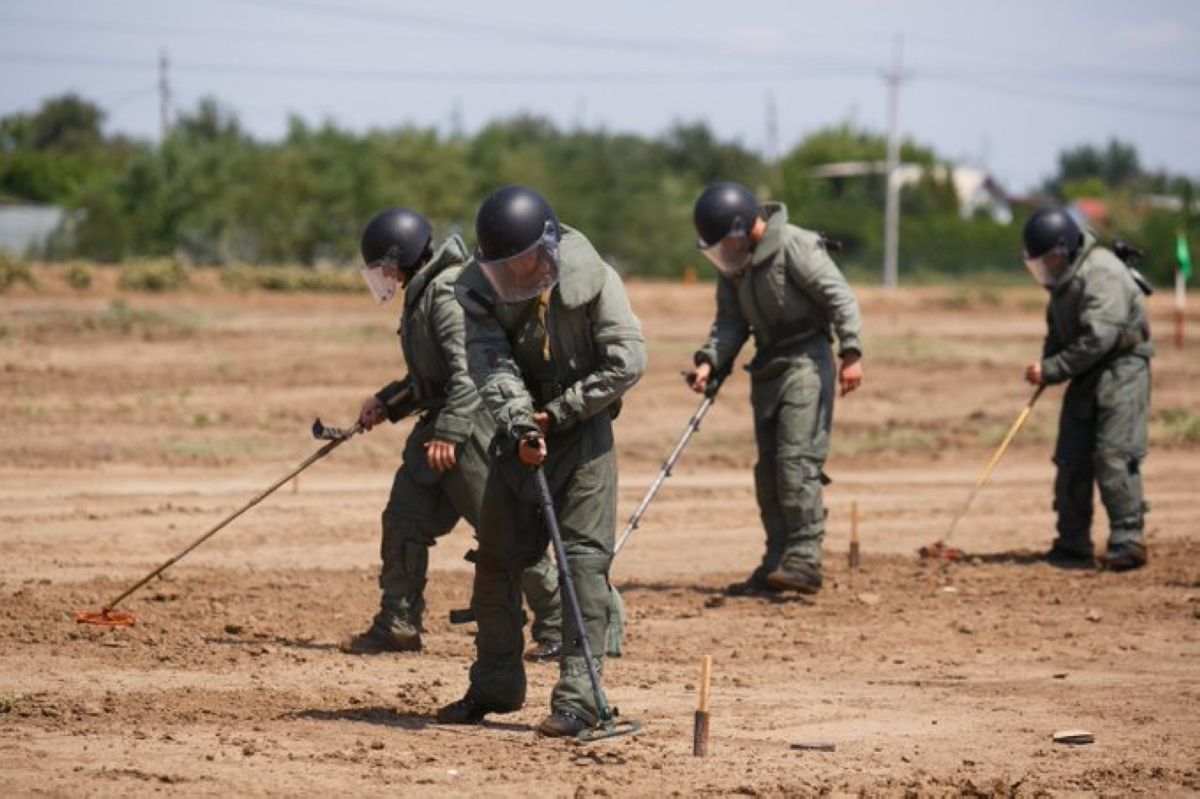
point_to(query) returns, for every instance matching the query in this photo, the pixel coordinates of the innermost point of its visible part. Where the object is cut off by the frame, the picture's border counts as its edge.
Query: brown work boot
(561, 724)
(1125, 557)
(541, 651)
(802, 577)
(463, 711)
(1061, 558)
(751, 586)
(375, 641)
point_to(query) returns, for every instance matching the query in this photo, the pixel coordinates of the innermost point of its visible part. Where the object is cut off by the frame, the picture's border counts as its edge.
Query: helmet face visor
(528, 273)
(1047, 269)
(731, 255)
(381, 279)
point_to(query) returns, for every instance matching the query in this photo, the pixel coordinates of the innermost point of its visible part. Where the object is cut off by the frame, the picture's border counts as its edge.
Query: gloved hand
(532, 450)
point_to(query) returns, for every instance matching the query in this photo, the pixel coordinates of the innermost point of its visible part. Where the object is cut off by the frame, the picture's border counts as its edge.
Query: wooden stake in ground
(854, 554)
(700, 722)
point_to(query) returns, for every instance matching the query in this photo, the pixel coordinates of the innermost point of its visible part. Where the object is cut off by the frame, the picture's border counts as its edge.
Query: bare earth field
(134, 422)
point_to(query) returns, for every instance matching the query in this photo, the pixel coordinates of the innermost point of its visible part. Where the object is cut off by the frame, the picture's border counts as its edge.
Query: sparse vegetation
(153, 275)
(1178, 425)
(14, 271)
(78, 276)
(290, 279)
(894, 439)
(964, 298)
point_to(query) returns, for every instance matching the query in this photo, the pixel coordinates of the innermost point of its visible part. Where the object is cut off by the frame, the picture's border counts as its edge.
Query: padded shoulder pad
(472, 291)
(583, 271)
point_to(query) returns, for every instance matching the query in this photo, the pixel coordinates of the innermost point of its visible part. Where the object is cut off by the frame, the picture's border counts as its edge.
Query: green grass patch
(123, 318)
(152, 275)
(885, 439)
(119, 319)
(291, 279)
(909, 347)
(966, 298)
(78, 276)
(1178, 425)
(14, 271)
(211, 450)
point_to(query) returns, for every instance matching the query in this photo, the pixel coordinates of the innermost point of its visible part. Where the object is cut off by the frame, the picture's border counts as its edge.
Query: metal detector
(941, 549)
(608, 726)
(693, 426)
(400, 403)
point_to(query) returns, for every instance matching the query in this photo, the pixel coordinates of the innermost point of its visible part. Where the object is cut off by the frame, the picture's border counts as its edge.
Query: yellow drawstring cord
(543, 312)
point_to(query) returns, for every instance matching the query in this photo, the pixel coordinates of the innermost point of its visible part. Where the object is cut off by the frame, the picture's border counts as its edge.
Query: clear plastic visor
(731, 255)
(1048, 269)
(382, 279)
(528, 273)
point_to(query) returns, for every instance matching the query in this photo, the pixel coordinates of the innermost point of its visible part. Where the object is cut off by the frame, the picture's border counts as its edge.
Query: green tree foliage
(53, 153)
(1114, 165)
(1132, 196)
(213, 194)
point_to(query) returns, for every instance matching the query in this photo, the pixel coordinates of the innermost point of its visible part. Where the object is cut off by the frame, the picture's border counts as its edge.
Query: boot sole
(784, 585)
(415, 646)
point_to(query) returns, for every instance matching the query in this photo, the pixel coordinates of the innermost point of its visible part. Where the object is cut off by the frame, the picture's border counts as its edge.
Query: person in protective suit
(444, 467)
(552, 344)
(777, 283)
(1098, 338)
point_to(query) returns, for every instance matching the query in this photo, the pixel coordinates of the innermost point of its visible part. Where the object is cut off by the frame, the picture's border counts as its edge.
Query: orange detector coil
(939, 551)
(106, 618)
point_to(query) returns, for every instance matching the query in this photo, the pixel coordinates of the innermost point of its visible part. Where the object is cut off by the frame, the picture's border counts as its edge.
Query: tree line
(211, 193)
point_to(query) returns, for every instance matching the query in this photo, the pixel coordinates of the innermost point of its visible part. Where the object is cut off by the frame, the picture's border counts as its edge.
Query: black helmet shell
(396, 237)
(511, 220)
(1050, 228)
(719, 207)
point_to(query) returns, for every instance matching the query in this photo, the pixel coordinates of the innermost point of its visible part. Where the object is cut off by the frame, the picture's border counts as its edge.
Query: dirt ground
(134, 422)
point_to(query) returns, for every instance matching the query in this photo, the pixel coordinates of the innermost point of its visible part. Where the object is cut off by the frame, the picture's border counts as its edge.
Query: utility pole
(456, 119)
(891, 213)
(164, 96)
(773, 140)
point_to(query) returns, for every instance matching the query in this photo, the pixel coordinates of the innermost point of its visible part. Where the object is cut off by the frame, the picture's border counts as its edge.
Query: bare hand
(542, 420)
(698, 380)
(441, 455)
(1033, 373)
(372, 413)
(532, 450)
(850, 376)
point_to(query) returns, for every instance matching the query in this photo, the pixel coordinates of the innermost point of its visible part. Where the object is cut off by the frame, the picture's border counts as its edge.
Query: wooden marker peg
(854, 553)
(700, 722)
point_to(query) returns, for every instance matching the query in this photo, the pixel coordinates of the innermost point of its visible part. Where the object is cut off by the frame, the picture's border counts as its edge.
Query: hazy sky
(1003, 84)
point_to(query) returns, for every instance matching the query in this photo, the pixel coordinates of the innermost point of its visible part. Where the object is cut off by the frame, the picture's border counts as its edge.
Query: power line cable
(310, 72)
(814, 70)
(1069, 97)
(699, 48)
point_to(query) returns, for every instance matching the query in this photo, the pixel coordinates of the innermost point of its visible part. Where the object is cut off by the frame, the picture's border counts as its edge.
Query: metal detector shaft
(692, 426)
(996, 456)
(309, 461)
(546, 501)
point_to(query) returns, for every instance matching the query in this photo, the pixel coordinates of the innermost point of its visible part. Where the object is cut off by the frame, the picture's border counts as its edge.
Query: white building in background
(26, 227)
(977, 191)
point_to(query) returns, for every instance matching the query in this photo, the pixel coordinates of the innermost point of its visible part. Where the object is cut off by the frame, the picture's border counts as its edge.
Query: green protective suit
(574, 357)
(1098, 338)
(424, 504)
(792, 298)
